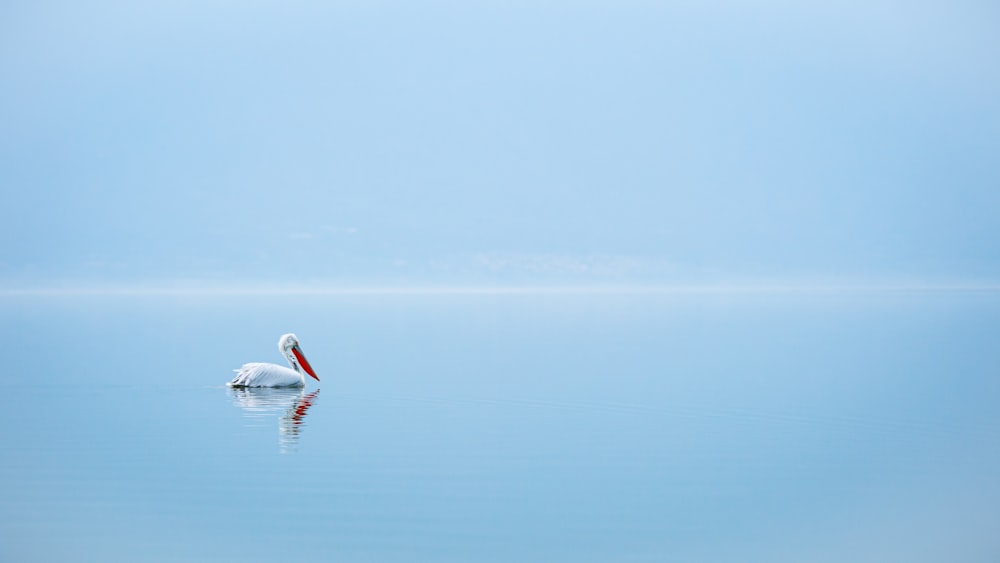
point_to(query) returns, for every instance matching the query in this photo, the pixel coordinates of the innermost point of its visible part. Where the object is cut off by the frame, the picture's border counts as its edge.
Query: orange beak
(303, 362)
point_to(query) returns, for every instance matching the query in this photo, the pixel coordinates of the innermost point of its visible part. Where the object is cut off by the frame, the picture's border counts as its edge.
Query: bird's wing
(265, 375)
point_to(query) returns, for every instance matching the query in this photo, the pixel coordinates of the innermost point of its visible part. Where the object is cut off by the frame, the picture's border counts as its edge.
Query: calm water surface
(826, 427)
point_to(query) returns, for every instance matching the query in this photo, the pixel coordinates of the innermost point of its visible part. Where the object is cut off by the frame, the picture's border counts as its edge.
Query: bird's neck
(294, 363)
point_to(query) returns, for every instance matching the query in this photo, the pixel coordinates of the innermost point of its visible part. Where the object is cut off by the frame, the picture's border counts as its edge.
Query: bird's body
(258, 374)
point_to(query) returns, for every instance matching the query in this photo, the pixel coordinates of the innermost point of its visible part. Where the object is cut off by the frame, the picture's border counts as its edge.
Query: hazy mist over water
(498, 143)
(774, 427)
(583, 281)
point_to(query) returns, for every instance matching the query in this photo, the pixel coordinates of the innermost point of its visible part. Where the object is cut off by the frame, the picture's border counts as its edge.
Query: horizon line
(362, 290)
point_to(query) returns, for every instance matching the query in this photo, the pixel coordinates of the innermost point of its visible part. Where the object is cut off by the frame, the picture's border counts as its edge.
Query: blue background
(495, 143)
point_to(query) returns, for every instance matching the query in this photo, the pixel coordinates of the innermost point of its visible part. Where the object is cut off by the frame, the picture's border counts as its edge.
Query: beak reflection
(261, 405)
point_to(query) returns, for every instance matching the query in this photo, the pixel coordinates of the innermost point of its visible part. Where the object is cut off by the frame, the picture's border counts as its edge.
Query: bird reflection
(262, 403)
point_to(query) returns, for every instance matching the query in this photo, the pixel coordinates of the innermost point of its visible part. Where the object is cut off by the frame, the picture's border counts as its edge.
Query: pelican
(259, 374)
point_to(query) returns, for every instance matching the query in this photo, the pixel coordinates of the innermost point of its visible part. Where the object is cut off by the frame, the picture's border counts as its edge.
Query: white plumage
(258, 374)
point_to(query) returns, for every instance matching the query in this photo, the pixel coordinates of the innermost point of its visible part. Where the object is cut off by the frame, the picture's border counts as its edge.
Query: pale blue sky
(414, 143)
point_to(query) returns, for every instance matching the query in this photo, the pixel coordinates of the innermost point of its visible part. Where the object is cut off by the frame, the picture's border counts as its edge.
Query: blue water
(772, 427)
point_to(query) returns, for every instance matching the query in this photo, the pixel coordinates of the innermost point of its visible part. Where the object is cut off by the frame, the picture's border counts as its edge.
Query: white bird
(259, 374)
